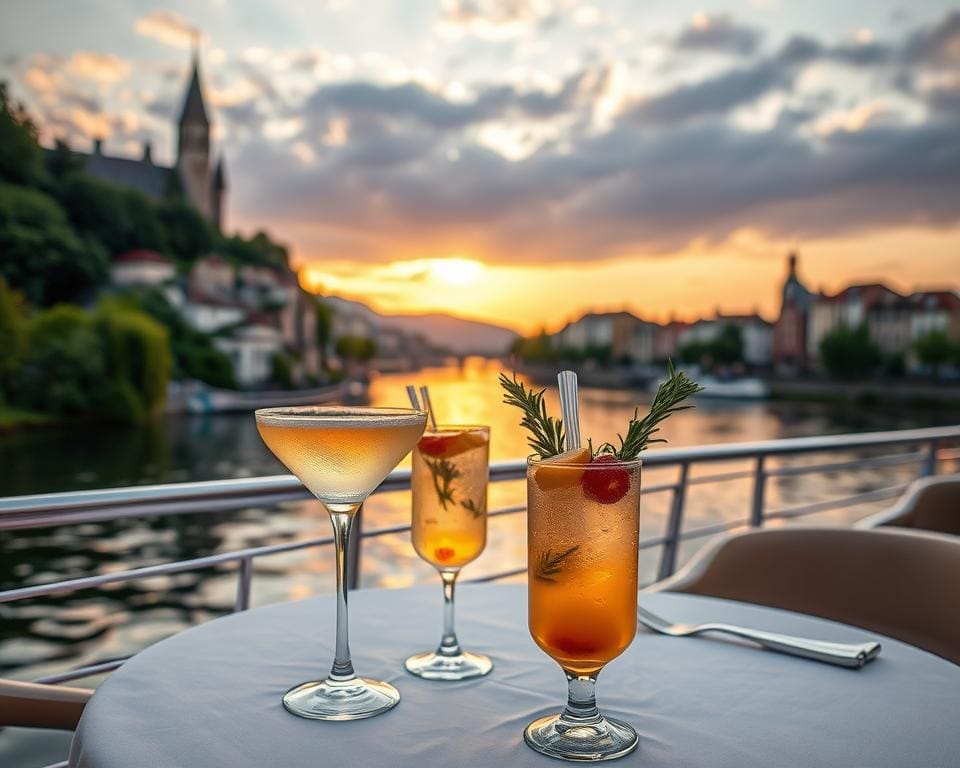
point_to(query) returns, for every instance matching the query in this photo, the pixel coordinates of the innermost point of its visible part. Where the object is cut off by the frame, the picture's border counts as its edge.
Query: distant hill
(457, 334)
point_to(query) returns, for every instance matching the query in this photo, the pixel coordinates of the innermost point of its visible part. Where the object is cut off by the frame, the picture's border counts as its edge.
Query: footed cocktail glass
(341, 455)
(582, 547)
(449, 530)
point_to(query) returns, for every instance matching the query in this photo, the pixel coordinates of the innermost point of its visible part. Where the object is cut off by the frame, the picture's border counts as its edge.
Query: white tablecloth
(210, 697)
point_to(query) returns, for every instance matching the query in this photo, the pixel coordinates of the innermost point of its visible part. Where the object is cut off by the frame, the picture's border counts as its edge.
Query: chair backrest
(900, 583)
(31, 705)
(930, 504)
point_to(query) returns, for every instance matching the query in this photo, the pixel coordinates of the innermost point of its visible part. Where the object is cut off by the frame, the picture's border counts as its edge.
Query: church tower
(193, 148)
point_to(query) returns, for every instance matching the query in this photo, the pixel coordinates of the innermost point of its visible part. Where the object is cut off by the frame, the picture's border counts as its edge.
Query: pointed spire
(193, 108)
(220, 175)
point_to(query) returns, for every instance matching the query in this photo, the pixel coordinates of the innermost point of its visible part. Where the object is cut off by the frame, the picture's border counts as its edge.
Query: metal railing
(925, 447)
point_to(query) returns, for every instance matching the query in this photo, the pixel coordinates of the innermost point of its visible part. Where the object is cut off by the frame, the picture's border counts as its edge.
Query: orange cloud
(102, 67)
(167, 27)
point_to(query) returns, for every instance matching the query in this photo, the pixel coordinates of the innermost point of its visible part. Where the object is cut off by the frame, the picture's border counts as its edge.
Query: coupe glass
(449, 530)
(582, 546)
(341, 455)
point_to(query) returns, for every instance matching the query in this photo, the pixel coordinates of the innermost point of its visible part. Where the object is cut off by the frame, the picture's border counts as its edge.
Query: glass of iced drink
(582, 547)
(449, 530)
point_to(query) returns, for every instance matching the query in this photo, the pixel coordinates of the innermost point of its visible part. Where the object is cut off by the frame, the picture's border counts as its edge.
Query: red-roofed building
(666, 340)
(848, 308)
(935, 311)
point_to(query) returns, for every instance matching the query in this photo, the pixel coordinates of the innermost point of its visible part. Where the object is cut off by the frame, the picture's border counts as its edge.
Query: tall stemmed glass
(341, 455)
(582, 547)
(449, 530)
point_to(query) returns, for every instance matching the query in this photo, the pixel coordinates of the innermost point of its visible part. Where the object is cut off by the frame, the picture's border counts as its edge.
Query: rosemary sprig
(444, 472)
(477, 510)
(549, 565)
(546, 432)
(677, 388)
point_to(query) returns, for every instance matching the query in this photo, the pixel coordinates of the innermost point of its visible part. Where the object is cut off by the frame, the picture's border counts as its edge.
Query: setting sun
(454, 271)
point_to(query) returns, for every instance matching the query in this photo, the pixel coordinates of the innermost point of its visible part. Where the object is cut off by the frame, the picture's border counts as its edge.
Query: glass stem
(449, 645)
(581, 706)
(341, 517)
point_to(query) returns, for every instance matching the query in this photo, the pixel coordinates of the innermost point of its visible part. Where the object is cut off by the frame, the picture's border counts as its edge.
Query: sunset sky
(522, 161)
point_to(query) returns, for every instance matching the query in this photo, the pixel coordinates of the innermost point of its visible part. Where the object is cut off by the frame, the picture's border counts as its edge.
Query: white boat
(740, 388)
(746, 388)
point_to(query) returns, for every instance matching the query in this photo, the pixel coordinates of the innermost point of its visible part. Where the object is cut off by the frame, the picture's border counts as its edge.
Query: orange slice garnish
(552, 478)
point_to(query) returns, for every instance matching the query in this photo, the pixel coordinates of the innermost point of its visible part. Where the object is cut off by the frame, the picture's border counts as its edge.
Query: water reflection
(41, 636)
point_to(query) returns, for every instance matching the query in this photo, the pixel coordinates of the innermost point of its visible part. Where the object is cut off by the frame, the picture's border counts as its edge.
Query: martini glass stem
(341, 517)
(449, 645)
(581, 706)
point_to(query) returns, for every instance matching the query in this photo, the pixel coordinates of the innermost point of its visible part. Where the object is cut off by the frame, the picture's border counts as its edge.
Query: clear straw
(569, 406)
(425, 396)
(412, 394)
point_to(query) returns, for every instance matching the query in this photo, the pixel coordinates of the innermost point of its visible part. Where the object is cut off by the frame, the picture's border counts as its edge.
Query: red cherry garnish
(434, 445)
(607, 486)
(444, 553)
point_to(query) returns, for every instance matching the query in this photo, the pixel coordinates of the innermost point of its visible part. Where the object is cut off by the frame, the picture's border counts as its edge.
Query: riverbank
(911, 392)
(916, 394)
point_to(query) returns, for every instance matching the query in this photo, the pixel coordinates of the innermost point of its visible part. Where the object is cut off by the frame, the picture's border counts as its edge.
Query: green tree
(193, 354)
(727, 347)
(356, 348)
(281, 370)
(109, 364)
(259, 250)
(137, 359)
(21, 159)
(13, 336)
(62, 161)
(324, 314)
(121, 219)
(849, 353)
(934, 349)
(40, 254)
(188, 235)
(63, 371)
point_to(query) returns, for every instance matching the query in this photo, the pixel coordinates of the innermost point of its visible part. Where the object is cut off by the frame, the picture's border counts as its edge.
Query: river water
(43, 636)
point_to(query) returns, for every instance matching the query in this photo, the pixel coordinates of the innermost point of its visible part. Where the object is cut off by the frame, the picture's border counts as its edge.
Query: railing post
(244, 578)
(759, 486)
(668, 560)
(353, 561)
(930, 464)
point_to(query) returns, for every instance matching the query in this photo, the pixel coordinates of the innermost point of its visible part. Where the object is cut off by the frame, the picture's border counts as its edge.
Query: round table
(210, 696)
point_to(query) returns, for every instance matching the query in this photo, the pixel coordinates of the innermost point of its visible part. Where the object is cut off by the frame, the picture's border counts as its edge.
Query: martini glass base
(434, 666)
(587, 742)
(341, 700)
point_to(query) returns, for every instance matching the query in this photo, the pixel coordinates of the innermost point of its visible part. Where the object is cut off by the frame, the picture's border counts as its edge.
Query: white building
(251, 348)
(210, 314)
(142, 268)
(756, 335)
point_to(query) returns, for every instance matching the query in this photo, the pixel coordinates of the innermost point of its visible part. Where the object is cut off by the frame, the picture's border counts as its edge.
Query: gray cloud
(720, 33)
(731, 89)
(936, 45)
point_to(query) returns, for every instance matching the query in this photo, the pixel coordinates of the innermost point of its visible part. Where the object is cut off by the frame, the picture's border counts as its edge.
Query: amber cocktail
(582, 547)
(341, 455)
(449, 530)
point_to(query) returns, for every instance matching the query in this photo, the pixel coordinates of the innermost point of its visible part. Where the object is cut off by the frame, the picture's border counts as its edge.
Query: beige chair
(31, 705)
(904, 584)
(930, 504)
